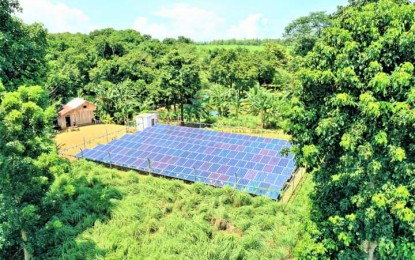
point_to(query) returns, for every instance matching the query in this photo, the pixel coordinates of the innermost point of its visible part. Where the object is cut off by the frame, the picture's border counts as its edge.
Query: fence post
(84, 143)
(109, 155)
(149, 165)
(236, 181)
(82, 152)
(292, 192)
(194, 172)
(106, 130)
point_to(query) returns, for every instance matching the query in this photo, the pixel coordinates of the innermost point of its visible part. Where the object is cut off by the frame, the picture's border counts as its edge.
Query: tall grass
(161, 218)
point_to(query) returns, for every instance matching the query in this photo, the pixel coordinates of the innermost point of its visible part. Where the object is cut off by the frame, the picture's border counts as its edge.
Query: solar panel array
(249, 163)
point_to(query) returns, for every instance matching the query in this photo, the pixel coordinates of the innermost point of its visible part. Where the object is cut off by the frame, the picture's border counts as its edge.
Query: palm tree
(261, 102)
(219, 99)
(195, 111)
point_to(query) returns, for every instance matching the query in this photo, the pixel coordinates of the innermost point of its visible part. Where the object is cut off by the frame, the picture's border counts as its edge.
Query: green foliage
(26, 155)
(76, 200)
(22, 49)
(304, 31)
(179, 76)
(73, 199)
(219, 99)
(126, 73)
(261, 102)
(205, 48)
(352, 123)
(249, 121)
(234, 70)
(119, 101)
(160, 218)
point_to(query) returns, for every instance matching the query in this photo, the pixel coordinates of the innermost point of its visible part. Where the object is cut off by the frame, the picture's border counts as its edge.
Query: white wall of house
(145, 120)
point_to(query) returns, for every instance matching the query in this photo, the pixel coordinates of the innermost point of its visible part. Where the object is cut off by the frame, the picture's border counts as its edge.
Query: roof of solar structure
(249, 163)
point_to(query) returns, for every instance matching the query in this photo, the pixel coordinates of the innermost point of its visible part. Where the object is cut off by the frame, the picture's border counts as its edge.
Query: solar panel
(249, 163)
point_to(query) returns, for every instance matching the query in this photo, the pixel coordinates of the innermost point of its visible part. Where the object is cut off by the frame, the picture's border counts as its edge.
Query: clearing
(70, 143)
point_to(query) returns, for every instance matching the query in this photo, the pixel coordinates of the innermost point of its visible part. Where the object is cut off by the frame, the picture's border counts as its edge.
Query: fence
(285, 194)
(232, 129)
(72, 150)
(191, 177)
(292, 184)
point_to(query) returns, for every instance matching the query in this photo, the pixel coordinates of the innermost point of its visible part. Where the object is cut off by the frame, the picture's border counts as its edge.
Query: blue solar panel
(249, 163)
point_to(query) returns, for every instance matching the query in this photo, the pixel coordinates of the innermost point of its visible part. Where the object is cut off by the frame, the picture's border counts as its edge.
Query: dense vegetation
(127, 72)
(352, 121)
(341, 84)
(159, 218)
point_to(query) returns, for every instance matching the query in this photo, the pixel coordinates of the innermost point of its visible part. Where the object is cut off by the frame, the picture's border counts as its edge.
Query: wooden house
(76, 113)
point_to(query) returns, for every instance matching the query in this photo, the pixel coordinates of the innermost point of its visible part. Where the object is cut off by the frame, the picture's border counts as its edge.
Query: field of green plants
(157, 218)
(217, 46)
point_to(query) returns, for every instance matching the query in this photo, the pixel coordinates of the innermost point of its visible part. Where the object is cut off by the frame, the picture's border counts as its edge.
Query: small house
(146, 120)
(76, 113)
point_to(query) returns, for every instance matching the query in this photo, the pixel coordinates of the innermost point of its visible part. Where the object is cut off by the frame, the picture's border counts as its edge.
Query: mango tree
(179, 76)
(25, 145)
(352, 122)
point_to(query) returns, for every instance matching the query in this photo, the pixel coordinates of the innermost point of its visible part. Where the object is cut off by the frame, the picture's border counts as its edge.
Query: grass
(249, 125)
(279, 134)
(213, 47)
(159, 218)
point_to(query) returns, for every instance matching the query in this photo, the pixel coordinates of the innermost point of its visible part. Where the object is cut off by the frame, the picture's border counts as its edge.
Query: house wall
(80, 115)
(144, 121)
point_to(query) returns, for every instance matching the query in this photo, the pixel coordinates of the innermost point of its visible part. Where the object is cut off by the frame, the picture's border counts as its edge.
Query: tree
(219, 99)
(352, 125)
(119, 100)
(22, 48)
(194, 112)
(261, 102)
(265, 64)
(179, 76)
(25, 124)
(304, 31)
(360, 3)
(233, 69)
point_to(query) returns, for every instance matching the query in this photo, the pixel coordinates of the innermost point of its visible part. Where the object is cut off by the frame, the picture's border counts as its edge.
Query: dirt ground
(70, 142)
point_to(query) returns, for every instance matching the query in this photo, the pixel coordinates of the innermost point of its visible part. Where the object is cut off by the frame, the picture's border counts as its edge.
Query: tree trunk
(181, 112)
(237, 103)
(369, 248)
(25, 251)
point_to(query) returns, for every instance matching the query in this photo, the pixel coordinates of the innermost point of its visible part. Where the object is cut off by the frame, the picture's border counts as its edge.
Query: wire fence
(230, 128)
(193, 176)
(109, 136)
(285, 195)
(290, 187)
(106, 138)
